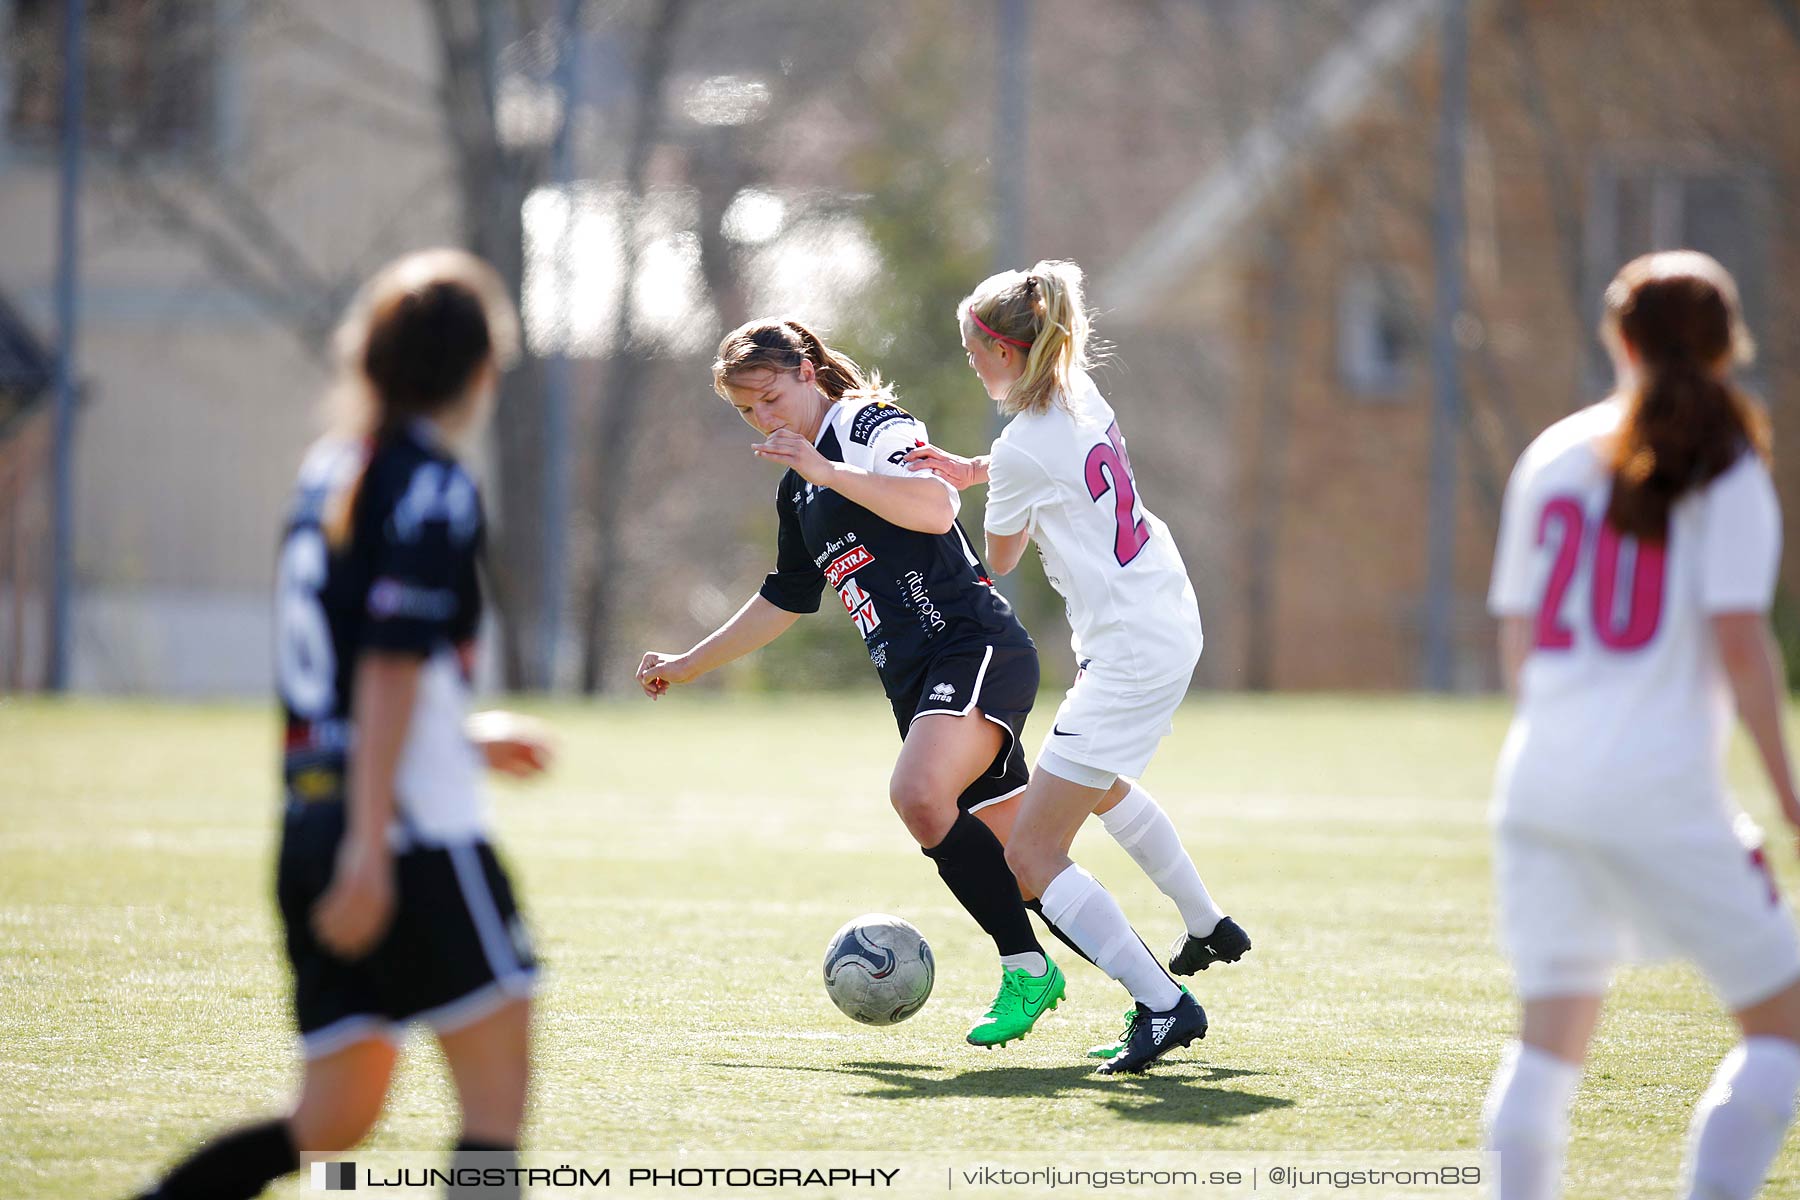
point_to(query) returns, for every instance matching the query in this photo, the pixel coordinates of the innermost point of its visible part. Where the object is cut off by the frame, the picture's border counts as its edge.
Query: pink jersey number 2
(1109, 469)
(1643, 611)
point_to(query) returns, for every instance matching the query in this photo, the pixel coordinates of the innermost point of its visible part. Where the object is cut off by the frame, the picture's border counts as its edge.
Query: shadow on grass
(1175, 1092)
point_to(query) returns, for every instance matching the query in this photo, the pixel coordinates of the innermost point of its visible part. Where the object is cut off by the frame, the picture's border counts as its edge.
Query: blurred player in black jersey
(958, 668)
(394, 906)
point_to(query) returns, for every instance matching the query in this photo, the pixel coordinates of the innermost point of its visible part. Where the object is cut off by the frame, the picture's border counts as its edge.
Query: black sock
(234, 1166)
(1037, 906)
(475, 1155)
(972, 864)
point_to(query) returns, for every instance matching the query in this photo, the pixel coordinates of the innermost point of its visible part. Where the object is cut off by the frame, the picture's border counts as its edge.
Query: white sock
(1093, 920)
(1030, 962)
(1527, 1121)
(1144, 830)
(1740, 1123)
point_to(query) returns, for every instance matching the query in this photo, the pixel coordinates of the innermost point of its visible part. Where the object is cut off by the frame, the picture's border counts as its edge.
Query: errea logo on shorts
(943, 692)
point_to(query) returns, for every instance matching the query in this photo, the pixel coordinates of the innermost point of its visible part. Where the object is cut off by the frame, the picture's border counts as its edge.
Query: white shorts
(1110, 727)
(1572, 907)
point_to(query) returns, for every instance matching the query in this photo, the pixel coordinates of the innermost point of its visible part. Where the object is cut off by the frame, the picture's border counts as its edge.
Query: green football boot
(1111, 1049)
(1022, 1000)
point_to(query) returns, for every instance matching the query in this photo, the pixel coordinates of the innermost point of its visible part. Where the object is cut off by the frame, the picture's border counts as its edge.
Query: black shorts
(1000, 680)
(456, 952)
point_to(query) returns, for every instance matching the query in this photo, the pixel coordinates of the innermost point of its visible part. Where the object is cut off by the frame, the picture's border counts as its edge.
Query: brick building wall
(1596, 132)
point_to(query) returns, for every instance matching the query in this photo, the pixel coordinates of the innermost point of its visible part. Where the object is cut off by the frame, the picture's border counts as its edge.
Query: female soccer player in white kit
(1059, 474)
(1638, 550)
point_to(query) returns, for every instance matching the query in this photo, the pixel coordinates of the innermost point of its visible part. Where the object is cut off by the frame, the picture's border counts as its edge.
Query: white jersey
(1064, 475)
(1624, 710)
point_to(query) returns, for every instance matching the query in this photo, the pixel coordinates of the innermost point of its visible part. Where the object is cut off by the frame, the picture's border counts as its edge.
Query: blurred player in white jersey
(1059, 475)
(1637, 558)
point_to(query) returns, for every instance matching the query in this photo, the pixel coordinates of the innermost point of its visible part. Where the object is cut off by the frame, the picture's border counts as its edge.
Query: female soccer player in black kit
(958, 668)
(394, 905)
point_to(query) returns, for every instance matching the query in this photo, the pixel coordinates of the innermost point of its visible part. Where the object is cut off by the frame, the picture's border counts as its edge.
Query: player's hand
(355, 911)
(659, 672)
(954, 469)
(791, 450)
(516, 745)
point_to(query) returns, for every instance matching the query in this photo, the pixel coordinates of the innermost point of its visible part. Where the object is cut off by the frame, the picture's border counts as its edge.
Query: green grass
(683, 869)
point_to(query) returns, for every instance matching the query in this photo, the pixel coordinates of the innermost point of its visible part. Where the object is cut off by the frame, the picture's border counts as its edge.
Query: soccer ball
(878, 969)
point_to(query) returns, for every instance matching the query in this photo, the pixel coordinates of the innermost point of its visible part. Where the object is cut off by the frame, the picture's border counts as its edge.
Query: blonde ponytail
(1040, 311)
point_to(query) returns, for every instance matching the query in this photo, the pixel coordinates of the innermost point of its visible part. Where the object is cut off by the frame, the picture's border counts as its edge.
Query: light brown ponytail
(413, 341)
(782, 346)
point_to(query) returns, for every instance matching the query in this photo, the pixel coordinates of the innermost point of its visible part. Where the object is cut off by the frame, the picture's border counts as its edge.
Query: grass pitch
(682, 871)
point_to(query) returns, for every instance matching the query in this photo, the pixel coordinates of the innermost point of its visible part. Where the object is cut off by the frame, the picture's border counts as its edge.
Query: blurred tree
(622, 405)
(717, 116)
(924, 186)
(921, 173)
(494, 175)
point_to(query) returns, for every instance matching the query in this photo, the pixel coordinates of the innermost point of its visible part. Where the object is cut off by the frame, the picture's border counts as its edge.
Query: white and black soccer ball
(878, 969)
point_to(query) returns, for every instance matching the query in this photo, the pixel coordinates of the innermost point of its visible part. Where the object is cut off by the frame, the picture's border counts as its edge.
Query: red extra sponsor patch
(847, 564)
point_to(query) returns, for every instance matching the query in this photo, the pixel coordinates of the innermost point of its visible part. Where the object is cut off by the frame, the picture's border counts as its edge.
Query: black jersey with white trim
(404, 582)
(911, 595)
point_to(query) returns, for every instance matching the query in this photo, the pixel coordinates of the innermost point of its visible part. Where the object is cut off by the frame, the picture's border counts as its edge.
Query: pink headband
(995, 333)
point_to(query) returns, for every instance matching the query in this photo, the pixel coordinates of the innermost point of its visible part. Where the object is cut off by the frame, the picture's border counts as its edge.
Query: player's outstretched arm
(1748, 653)
(959, 472)
(756, 625)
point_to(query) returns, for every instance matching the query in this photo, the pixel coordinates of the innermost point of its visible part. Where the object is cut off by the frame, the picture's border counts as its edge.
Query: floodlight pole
(1013, 109)
(67, 283)
(1446, 413)
(558, 368)
(1012, 117)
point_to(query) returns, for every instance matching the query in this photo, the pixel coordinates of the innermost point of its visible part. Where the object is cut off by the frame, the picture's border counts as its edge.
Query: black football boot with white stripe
(1154, 1034)
(1226, 943)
